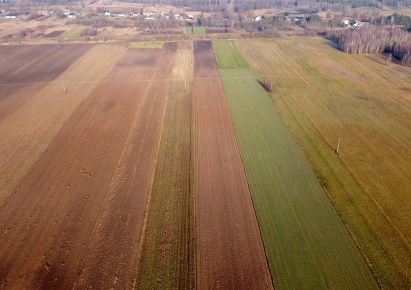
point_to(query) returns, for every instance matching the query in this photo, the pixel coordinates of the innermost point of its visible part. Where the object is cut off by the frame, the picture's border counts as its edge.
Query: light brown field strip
(26, 133)
(34, 67)
(74, 220)
(230, 253)
(115, 241)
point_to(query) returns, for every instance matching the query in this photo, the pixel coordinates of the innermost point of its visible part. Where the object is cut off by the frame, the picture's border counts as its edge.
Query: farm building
(12, 15)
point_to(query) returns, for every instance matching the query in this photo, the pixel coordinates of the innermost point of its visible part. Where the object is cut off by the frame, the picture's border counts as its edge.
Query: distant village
(150, 15)
(106, 21)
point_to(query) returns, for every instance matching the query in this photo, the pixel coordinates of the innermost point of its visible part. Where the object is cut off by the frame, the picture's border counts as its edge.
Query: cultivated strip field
(230, 253)
(117, 235)
(323, 95)
(26, 133)
(24, 70)
(76, 218)
(307, 244)
(143, 166)
(228, 56)
(168, 258)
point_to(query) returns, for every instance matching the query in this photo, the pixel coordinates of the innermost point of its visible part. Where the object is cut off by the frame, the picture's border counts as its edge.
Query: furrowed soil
(75, 220)
(229, 252)
(24, 71)
(26, 133)
(167, 258)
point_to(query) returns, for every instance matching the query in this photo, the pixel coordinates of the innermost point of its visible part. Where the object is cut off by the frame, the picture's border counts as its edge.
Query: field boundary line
(374, 120)
(192, 241)
(309, 117)
(176, 79)
(373, 198)
(387, 131)
(246, 177)
(292, 67)
(377, 204)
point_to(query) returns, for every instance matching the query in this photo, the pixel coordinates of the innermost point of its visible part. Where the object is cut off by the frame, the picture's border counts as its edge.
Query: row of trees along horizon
(245, 5)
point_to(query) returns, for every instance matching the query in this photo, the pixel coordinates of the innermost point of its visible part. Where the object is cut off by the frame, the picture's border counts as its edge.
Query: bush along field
(307, 244)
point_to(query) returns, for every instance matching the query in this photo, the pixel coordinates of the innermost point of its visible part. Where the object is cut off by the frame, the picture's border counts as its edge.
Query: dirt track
(25, 69)
(75, 220)
(230, 253)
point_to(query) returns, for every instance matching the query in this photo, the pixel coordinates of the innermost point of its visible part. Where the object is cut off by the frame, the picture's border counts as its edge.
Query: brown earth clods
(76, 219)
(230, 252)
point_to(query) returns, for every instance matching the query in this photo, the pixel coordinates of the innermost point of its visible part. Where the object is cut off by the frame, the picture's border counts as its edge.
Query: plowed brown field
(230, 253)
(26, 133)
(24, 70)
(76, 219)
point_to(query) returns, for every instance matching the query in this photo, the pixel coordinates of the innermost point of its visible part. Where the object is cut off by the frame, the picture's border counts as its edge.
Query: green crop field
(307, 244)
(197, 30)
(325, 95)
(167, 259)
(228, 56)
(73, 32)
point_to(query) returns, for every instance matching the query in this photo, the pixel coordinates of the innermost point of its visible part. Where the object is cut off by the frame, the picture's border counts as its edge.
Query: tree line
(390, 39)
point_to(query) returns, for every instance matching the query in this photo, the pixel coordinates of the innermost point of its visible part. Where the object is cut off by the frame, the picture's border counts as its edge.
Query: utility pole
(338, 147)
(64, 88)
